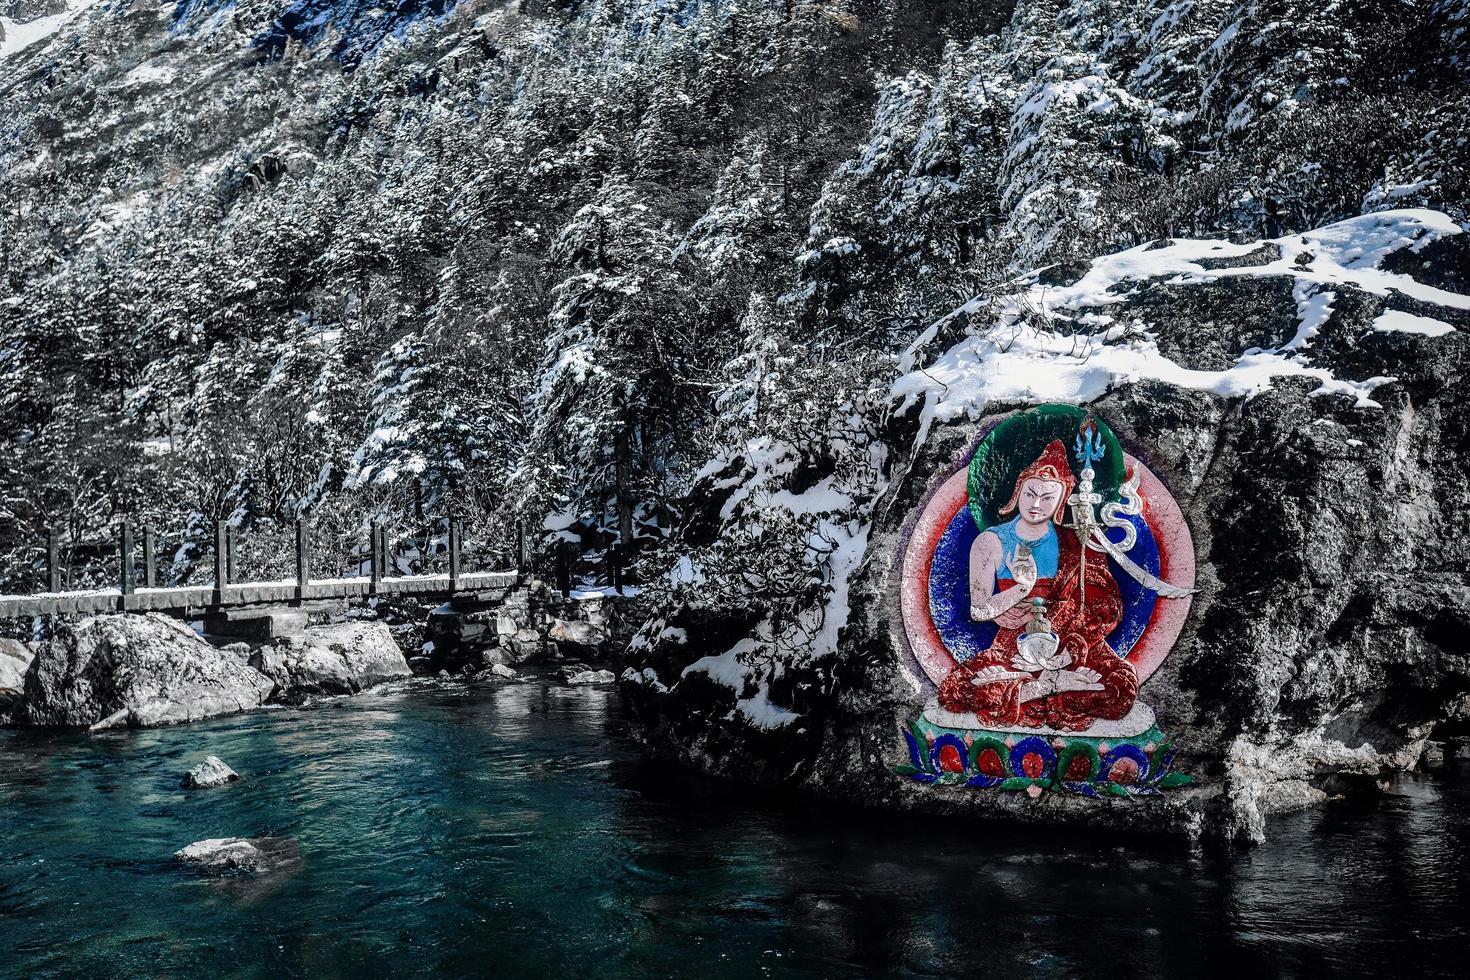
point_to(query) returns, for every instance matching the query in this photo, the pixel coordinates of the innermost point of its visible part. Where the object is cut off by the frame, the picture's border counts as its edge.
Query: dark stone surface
(1326, 642)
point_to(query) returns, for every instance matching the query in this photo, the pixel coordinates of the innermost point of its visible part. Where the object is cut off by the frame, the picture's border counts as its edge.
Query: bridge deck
(199, 598)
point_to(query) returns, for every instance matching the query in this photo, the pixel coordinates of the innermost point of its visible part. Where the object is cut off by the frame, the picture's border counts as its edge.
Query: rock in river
(255, 854)
(209, 773)
(343, 658)
(116, 670)
(589, 676)
(496, 672)
(579, 638)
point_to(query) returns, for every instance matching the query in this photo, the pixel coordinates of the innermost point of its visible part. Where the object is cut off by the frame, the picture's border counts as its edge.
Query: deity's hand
(1081, 679)
(992, 674)
(1023, 570)
(1038, 688)
(1024, 659)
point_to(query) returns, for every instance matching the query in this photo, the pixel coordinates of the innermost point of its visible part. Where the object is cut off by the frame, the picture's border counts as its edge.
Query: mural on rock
(1042, 583)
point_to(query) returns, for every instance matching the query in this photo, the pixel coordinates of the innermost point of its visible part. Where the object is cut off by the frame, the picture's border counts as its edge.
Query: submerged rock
(208, 774)
(589, 676)
(131, 670)
(343, 658)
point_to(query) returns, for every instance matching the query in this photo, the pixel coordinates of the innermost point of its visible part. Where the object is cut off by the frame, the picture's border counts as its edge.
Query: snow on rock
(1397, 321)
(1074, 343)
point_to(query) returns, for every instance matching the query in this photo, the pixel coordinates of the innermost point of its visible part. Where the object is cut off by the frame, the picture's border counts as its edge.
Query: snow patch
(19, 36)
(1397, 321)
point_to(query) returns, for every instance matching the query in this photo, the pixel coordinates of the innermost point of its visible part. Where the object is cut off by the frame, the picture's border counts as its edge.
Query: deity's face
(1039, 500)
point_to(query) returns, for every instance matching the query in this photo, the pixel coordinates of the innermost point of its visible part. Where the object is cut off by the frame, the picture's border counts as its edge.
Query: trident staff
(1087, 449)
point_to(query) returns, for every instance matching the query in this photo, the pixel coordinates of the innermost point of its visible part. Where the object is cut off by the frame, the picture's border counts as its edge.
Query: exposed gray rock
(497, 672)
(343, 658)
(15, 660)
(130, 670)
(591, 677)
(255, 855)
(208, 774)
(239, 650)
(525, 646)
(579, 639)
(1332, 541)
(492, 656)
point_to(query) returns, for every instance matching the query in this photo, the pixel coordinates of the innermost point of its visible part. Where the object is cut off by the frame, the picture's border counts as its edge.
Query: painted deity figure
(1032, 557)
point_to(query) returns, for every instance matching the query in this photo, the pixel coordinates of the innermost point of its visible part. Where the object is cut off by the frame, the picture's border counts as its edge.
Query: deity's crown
(1051, 465)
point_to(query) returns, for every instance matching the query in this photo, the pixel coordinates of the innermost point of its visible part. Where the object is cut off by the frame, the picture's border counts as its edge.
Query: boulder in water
(343, 658)
(524, 645)
(496, 672)
(140, 671)
(208, 774)
(255, 855)
(590, 677)
(579, 638)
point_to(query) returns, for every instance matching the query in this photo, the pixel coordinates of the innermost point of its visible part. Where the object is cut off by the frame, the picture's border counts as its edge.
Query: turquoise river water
(514, 831)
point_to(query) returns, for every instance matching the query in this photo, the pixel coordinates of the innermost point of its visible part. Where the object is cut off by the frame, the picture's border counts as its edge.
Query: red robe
(1082, 633)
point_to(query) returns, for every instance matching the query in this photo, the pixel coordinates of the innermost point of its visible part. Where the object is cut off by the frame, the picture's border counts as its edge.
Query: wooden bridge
(260, 608)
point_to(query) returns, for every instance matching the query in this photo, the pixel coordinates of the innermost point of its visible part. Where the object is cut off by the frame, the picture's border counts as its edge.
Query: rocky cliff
(1301, 399)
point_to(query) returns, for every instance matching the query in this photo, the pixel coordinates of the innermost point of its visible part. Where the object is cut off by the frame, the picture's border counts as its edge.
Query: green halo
(1015, 444)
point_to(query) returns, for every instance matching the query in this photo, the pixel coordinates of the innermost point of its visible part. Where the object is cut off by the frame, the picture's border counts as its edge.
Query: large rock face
(1302, 400)
(110, 671)
(344, 658)
(15, 660)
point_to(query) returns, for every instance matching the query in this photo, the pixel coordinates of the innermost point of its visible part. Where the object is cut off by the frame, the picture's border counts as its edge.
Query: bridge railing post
(53, 560)
(232, 539)
(383, 551)
(221, 561)
(150, 558)
(521, 551)
(125, 576)
(456, 530)
(375, 569)
(303, 558)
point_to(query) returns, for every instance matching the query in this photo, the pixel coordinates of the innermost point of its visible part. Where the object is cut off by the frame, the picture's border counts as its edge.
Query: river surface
(514, 831)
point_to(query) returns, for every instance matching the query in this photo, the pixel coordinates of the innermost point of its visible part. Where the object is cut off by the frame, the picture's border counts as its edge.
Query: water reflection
(512, 829)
